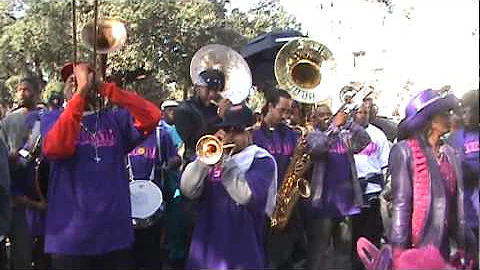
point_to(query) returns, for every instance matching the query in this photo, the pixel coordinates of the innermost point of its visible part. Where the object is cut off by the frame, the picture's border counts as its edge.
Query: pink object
(371, 257)
(428, 257)
(421, 190)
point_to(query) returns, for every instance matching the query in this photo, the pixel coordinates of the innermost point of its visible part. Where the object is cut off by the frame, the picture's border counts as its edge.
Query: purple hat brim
(420, 119)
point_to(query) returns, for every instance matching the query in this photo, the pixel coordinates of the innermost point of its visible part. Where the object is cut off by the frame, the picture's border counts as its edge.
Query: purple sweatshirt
(89, 202)
(230, 227)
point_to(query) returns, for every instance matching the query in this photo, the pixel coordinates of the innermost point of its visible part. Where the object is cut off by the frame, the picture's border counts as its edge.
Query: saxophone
(293, 185)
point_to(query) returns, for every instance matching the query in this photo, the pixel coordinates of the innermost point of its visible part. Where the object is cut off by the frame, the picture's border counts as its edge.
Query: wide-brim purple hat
(424, 105)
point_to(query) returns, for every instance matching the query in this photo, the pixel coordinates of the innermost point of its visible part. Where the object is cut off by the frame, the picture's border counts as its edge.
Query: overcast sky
(439, 45)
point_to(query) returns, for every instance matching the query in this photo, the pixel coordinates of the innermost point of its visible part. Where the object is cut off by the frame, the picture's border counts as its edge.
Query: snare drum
(147, 203)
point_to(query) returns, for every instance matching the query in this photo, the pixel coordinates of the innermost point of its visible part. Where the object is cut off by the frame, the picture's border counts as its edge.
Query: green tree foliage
(162, 37)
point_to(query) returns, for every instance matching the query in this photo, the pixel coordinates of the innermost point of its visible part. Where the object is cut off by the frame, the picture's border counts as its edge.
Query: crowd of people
(416, 193)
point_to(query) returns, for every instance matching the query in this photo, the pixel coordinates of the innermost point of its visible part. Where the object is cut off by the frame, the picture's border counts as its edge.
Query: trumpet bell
(111, 35)
(238, 78)
(209, 149)
(305, 68)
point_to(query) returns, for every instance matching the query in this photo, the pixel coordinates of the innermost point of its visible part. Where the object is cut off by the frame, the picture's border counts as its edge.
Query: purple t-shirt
(145, 155)
(280, 143)
(228, 235)
(24, 183)
(337, 198)
(88, 202)
(467, 143)
(338, 187)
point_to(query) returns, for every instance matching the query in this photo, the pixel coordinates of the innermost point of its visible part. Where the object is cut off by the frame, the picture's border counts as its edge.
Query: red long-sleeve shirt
(66, 129)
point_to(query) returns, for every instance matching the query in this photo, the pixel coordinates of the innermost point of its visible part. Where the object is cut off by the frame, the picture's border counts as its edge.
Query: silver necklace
(97, 158)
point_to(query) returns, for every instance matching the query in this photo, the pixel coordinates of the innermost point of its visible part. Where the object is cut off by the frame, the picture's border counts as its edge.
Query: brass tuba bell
(210, 149)
(238, 78)
(111, 35)
(305, 68)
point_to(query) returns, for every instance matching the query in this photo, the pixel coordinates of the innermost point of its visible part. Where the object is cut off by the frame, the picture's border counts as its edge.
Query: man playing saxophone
(335, 190)
(234, 197)
(285, 246)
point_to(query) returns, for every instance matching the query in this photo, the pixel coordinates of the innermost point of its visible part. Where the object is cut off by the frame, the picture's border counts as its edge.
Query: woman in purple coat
(426, 184)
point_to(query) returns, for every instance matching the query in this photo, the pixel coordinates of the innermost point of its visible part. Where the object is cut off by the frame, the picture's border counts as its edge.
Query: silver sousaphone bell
(238, 78)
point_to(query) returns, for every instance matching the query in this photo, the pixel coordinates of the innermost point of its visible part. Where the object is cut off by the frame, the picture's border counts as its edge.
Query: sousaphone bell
(305, 68)
(238, 78)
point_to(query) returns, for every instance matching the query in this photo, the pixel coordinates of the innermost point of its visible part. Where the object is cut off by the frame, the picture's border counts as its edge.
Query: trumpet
(210, 150)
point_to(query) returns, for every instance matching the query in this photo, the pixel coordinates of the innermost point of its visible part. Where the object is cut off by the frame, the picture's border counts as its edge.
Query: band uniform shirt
(467, 145)
(145, 156)
(373, 158)
(280, 143)
(88, 202)
(338, 192)
(335, 188)
(227, 234)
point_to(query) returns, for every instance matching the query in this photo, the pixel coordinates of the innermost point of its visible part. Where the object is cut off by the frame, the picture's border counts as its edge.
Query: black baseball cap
(211, 78)
(238, 117)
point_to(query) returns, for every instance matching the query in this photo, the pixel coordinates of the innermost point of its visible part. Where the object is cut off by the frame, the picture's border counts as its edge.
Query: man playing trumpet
(234, 197)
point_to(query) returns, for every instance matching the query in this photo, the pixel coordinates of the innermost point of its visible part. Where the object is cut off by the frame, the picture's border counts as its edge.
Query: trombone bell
(111, 35)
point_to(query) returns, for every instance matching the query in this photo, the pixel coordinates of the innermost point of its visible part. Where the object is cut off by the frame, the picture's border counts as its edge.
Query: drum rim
(155, 209)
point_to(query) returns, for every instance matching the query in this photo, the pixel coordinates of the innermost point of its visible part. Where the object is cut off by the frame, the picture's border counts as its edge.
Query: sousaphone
(305, 68)
(238, 78)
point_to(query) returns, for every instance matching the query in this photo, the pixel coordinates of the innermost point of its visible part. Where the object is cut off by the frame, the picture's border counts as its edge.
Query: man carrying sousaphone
(88, 223)
(198, 115)
(220, 77)
(234, 194)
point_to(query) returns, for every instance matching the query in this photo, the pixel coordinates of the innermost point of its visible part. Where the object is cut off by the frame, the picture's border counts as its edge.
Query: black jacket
(193, 120)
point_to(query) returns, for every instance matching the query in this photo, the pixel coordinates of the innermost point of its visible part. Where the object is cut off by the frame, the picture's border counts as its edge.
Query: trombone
(210, 150)
(100, 36)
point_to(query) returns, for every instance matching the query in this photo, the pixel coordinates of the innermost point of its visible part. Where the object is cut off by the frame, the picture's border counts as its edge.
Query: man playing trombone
(336, 192)
(235, 192)
(88, 222)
